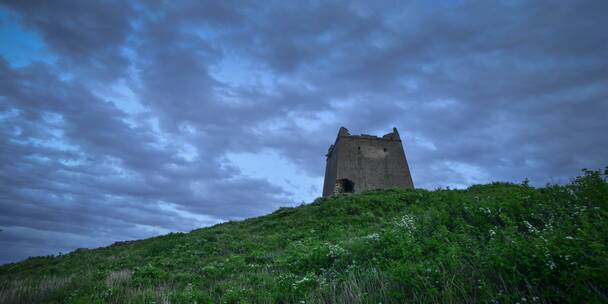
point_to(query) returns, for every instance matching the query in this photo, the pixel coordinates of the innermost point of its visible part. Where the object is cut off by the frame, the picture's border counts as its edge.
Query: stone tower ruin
(357, 163)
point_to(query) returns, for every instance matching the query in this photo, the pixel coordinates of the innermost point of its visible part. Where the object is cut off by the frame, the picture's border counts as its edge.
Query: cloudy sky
(123, 120)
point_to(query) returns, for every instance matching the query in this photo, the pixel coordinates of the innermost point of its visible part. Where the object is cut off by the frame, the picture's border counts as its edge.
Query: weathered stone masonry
(357, 163)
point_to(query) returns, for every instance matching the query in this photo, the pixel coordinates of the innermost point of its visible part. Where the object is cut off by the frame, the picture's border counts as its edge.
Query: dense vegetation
(495, 243)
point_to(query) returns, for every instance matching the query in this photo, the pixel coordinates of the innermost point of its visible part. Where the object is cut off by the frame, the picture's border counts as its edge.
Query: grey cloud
(479, 91)
(118, 174)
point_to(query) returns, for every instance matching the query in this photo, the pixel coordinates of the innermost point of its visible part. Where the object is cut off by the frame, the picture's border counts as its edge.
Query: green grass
(495, 243)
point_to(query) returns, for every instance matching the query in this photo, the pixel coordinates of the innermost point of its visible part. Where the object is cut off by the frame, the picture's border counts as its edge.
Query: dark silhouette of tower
(357, 163)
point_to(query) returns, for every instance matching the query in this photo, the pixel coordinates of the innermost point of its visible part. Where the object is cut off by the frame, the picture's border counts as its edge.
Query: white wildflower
(551, 264)
(406, 222)
(571, 192)
(372, 237)
(305, 280)
(531, 228)
(335, 251)
(486, 211)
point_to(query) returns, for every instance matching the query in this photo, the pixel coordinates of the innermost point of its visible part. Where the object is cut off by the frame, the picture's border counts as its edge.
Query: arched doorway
(344, 185)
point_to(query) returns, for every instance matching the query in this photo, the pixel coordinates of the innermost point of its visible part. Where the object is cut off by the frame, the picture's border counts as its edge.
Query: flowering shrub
(406, 222)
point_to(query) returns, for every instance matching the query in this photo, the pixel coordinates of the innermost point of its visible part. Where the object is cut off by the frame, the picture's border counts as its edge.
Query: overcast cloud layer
(123, 120)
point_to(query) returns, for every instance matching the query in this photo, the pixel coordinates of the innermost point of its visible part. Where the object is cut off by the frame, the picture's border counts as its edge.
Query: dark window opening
(344, 185)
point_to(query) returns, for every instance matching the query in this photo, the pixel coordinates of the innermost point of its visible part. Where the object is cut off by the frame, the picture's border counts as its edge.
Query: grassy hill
(495, 243)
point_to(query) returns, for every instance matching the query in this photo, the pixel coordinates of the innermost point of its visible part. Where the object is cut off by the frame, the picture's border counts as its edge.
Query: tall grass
(32, 290)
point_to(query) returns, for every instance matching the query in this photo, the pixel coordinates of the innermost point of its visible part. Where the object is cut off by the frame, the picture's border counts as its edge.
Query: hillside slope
(498, 243)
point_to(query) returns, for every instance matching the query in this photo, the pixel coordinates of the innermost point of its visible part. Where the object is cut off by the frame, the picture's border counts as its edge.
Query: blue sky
(124, 120)
(20, 46)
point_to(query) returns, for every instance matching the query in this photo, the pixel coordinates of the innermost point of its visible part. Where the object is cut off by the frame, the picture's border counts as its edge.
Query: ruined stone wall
(331, 170)
(370, 162)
